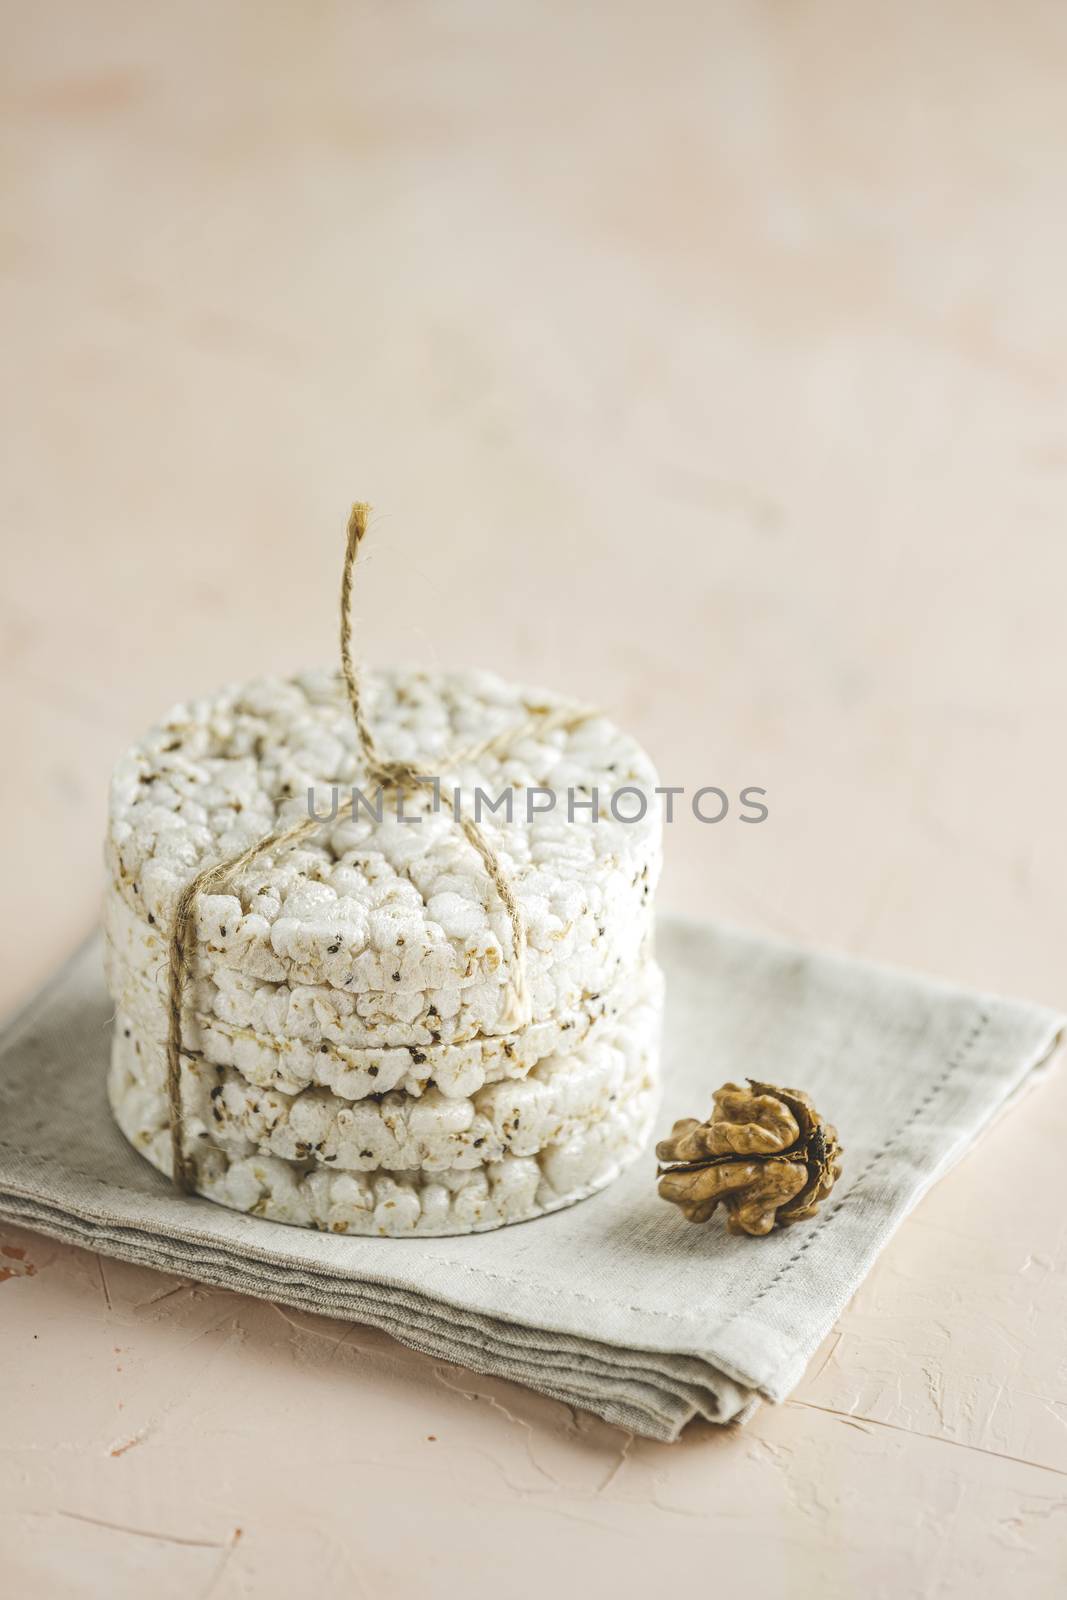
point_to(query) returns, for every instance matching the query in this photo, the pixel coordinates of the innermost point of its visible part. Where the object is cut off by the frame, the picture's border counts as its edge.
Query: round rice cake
(422, 1202)
(561, 1094)
(290, 1040)
(393, 925)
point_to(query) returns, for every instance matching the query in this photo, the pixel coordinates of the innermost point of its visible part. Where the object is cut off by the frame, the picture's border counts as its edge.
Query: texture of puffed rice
(350, 1060)
(394, 1204)
(389, 934)
(304, 1050)
(289, 1039)
(562, 1094)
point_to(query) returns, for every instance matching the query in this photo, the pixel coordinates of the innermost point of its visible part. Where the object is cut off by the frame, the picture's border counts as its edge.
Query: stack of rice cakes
(352, 1057)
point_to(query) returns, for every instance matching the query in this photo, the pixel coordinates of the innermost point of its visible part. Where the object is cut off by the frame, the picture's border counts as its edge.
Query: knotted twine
(396, 776)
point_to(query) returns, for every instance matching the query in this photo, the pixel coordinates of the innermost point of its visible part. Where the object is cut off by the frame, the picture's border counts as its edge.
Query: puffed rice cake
(397, 1164)
(349, 1002)
(396, 921)
(294, 1038)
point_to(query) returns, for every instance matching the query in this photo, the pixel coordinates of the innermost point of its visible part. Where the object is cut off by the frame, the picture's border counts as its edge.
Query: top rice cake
(393, 928)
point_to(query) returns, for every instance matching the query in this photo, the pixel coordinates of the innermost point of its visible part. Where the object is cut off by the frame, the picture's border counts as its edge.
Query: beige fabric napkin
(616, 1305)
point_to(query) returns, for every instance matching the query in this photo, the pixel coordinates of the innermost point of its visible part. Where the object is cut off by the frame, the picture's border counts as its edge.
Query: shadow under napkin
(616, 1305)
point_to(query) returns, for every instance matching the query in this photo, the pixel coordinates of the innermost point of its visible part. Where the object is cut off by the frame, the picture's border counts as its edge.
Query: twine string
(179, 967)
(405, 775)
(396, 775)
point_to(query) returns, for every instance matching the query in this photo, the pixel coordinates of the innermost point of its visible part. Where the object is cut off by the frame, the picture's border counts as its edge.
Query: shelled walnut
(765, 1153)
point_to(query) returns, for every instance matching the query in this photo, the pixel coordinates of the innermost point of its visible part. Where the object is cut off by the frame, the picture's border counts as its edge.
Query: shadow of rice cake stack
(354, 1048)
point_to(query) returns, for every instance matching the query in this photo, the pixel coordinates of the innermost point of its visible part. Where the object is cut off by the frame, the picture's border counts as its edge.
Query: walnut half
(765, 1153)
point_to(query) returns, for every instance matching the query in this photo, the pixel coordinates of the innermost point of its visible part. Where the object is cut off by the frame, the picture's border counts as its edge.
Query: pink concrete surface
(707, 360)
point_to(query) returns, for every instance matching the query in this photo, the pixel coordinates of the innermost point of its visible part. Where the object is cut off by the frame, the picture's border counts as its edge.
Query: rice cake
(396, 921)
(395, 1130)
(458, 1199)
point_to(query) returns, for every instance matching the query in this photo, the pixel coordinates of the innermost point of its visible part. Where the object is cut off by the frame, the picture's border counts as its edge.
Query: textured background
(707, 361)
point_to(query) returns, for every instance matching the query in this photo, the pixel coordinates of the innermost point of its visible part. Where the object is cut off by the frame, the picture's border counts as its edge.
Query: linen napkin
(617, 1305)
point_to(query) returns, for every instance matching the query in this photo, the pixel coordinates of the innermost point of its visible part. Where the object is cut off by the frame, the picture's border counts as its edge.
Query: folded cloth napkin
(617, 1305)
